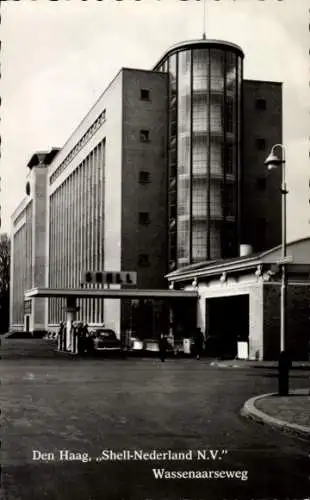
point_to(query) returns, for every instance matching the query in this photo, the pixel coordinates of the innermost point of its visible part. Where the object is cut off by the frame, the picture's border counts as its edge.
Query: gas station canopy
(109, 293)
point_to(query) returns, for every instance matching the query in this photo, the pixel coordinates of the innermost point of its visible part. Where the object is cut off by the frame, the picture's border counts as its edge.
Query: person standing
(198, 339)
(81, 337)
(162, 344)
(60, 336)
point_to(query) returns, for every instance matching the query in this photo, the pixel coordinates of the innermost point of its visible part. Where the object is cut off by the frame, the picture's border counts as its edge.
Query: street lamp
(272, 162)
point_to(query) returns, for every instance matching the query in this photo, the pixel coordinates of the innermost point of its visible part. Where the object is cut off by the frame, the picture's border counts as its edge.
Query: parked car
(106, 340)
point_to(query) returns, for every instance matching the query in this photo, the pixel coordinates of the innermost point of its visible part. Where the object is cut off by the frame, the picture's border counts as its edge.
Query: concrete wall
(298, 321)
(261, 205)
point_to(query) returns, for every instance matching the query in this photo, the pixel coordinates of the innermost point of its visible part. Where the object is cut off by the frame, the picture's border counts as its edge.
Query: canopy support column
(71, 309)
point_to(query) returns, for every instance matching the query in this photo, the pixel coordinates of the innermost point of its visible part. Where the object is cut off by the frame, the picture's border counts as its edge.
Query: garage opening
(227, 322)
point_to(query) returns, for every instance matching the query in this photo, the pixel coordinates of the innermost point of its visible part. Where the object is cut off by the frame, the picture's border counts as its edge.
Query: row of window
(88, 134)
(220, 238)
(144, 178)
(22, 262)
(76, 243)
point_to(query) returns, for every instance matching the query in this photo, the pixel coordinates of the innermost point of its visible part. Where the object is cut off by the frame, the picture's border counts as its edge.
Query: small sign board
(128, 278)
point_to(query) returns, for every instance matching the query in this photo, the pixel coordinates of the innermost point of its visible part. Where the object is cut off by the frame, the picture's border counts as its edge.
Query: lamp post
(272, 162)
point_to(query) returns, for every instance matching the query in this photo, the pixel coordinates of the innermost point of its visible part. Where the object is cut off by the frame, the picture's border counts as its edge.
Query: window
(228, 199)
(143, 260)
(172, 223)
(144, 218)
(88, 277)
(229, 159)
(215, 201)
(228, 240)
(99, 277)
(261, 183)
(199, 200)
(260, 143)
(173, 128)
(144, 95)
(199, 240)
(230, 117)
(144, 135)
(260, 104)
(144, 177)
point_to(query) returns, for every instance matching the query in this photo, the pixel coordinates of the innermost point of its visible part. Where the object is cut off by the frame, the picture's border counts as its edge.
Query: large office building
(165, 171)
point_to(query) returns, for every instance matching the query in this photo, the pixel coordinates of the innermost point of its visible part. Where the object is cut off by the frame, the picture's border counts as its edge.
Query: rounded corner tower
(204, 149)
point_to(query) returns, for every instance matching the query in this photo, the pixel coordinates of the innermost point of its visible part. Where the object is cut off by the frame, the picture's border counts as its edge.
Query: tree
(5, 246)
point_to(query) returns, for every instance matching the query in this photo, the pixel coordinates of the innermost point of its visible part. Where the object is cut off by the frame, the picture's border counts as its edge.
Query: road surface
(51, 404)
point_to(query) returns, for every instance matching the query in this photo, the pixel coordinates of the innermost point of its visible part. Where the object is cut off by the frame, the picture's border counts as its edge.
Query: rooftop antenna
(204, 20)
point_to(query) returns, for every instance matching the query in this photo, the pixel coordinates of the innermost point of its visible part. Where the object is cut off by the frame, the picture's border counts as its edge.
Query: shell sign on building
(109, 278)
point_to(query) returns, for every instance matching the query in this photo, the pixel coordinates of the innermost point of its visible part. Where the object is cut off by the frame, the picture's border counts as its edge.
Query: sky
(58, 57)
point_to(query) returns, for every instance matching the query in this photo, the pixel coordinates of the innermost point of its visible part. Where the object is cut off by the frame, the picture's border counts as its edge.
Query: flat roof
(109, 293)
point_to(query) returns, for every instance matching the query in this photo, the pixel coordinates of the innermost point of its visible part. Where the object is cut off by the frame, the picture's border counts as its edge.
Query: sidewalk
(289, 413)
(245, 363)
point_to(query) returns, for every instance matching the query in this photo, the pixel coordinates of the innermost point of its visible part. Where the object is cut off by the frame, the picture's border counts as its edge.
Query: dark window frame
(261, 104)
(261, 183)
(144, 177)
(144, 135)
(260, 143)
(144, 218)
(143, 260)
(145, 95)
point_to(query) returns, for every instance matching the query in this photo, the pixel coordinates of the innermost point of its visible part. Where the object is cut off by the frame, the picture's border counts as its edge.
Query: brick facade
(261, 198)
(298, 321)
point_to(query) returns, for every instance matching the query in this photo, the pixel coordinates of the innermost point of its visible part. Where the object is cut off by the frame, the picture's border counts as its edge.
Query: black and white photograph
(155, 250)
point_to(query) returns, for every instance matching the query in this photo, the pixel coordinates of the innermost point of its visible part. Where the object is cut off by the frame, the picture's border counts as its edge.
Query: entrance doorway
(27, 323)
(227, 322)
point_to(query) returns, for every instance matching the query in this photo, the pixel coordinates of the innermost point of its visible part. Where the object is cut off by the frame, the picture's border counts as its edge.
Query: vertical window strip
(191, 161)
(208, 146)
(92, 227)
(103, 161)
(87, 228)
(96, 226)
(83, 245)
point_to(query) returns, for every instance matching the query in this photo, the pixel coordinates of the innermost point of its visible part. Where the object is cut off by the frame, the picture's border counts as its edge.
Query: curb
(249, 410)
(238, 364)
